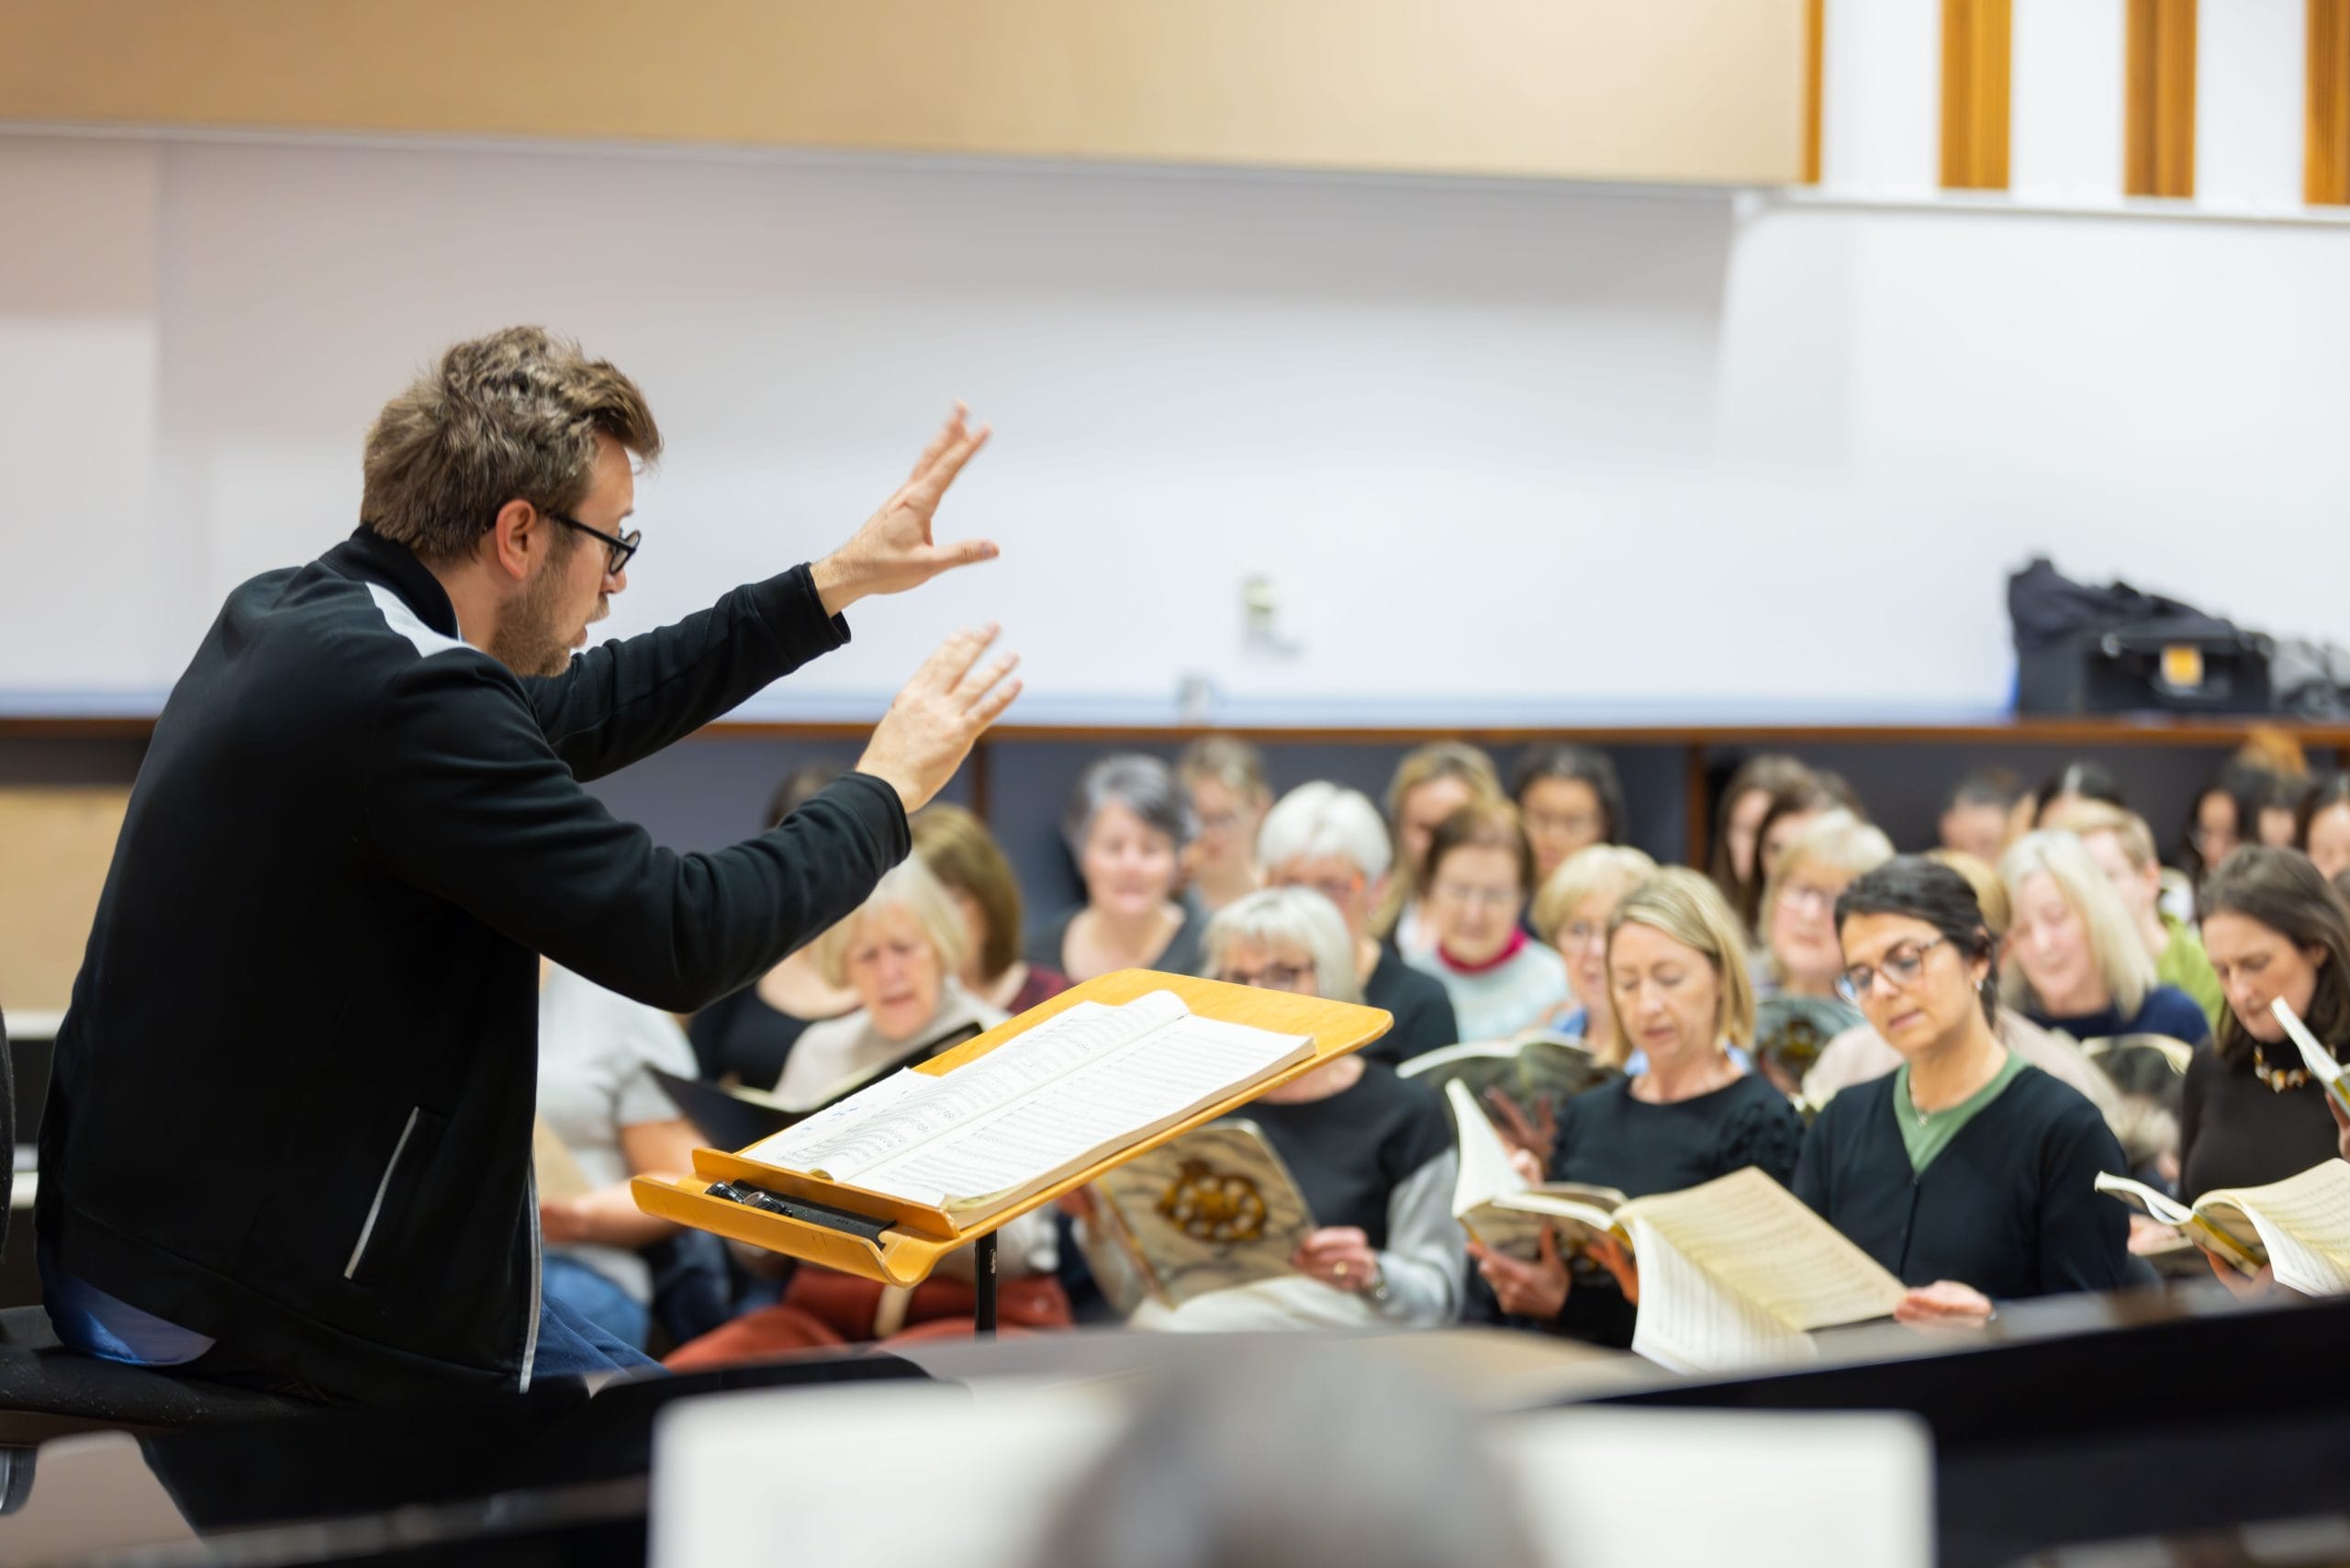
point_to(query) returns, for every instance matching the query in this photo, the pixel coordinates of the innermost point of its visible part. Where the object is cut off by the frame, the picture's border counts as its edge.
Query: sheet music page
(2304, 1220)
(786, 1147)
(1760, 1241)
(883, 1125)
(1485, 1171)
(1102, 1105)
(1689, 1323)
(2161, 1205)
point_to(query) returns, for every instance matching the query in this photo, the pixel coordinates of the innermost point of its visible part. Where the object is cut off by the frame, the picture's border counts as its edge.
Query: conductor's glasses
(1902, 966)
(618, 548)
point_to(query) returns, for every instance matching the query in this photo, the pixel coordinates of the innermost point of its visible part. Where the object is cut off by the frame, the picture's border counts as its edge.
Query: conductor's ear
(516, 540)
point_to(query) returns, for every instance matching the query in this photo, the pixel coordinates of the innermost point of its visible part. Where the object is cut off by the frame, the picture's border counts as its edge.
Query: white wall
(1504, 450)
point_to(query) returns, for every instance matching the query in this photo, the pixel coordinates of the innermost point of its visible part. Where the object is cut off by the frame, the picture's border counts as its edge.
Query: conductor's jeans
(571, 1345)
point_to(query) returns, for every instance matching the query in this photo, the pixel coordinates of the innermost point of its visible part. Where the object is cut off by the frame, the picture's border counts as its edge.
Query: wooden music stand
(888, 1239)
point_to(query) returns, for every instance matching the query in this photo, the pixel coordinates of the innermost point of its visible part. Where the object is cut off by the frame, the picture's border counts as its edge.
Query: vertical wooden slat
(1815, 40)
(2325, 171)
(2159, 127)
(1978, 47)
(1697, 807)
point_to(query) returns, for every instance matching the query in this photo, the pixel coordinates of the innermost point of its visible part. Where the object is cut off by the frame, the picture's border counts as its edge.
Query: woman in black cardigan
(1966, 1173)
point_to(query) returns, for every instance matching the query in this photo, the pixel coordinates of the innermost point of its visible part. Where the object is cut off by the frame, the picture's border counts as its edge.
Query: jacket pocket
(383, 1230)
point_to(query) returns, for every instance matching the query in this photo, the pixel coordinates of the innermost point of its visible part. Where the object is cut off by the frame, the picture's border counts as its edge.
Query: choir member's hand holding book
(2296, 1229)
(1079, 1089)
(1209, 1211)
(1502, 1210)
(1734, 1272)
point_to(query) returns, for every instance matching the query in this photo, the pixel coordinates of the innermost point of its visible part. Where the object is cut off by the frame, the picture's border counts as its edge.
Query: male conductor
(288, 1138)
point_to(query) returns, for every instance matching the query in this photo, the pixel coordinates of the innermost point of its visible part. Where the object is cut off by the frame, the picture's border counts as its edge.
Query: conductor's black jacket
(293, 1095)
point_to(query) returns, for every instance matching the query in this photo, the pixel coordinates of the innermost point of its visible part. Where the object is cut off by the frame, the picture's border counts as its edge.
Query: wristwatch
(1377, 1289)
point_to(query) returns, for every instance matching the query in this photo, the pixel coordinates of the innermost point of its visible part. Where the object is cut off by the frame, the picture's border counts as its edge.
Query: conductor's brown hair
(513, 416)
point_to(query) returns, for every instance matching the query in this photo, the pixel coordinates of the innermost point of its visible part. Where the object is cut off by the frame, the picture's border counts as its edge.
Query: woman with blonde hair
(1678, 983)
(2076, 962)
(1571, 913)
(1431, 784)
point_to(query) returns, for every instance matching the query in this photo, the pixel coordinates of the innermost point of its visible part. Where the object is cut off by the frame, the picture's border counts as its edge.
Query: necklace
(2277, 1080)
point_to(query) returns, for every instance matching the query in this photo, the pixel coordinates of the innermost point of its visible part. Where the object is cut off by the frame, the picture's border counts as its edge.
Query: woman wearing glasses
(1372, 1152)
(1476, 878)
(1966, 1172)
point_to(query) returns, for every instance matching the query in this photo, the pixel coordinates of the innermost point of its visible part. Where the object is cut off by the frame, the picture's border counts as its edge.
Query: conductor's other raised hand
(894, 550)
(930, 726)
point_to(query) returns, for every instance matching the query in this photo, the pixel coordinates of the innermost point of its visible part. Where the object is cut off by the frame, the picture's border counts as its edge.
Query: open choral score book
(1499, 1208)
(1206, 1212)
(2298, 1227)
(1078, 1089)
(1734, 1273)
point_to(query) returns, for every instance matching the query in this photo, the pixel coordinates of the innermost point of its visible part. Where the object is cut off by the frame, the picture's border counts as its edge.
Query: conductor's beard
(530, 639)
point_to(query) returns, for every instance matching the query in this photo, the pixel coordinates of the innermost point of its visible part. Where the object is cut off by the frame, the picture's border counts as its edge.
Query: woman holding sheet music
(2274, 928)
(1966, 1172)
(1372, 1153)
(1678, 979)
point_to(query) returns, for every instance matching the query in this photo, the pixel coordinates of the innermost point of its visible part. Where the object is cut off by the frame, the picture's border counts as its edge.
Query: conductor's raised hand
(930, 726)
(894, 551)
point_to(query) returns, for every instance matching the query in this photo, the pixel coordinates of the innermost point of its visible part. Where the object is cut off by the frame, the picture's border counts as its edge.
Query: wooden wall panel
(1662, 90)
(55, 845)
(1979, 51)
(1815, 83)
(2158, 137)
(2325, 173)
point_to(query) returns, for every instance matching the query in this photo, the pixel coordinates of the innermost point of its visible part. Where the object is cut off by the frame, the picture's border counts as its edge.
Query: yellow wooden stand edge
(920, 1236)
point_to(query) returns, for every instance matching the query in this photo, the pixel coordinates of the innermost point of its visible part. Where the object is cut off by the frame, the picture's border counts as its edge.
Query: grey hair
(1318, 819)
(1141, 784)
(1298, 916)
(909, 885)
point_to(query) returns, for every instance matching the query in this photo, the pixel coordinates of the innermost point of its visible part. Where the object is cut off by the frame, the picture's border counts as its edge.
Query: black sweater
(2007, 1207)
(1422, 1007)
(1350, 1151)
(2235, 1131)
(1608, 1138)
(293, 1095)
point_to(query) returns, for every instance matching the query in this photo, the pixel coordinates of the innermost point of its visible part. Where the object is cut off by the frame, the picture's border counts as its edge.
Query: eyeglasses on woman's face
(1900, 967)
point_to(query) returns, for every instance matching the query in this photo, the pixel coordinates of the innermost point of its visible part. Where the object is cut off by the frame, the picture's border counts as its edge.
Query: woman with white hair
(1334, 842)
(1372, 1152)
(2076, 961)
(1126, 827)
(899, 954)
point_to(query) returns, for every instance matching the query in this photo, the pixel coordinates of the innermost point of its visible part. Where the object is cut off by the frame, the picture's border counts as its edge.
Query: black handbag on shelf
(2082, 649)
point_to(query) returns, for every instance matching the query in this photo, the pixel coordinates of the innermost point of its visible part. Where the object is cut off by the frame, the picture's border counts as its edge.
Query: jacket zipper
(375, 1209)
(530, 1333)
